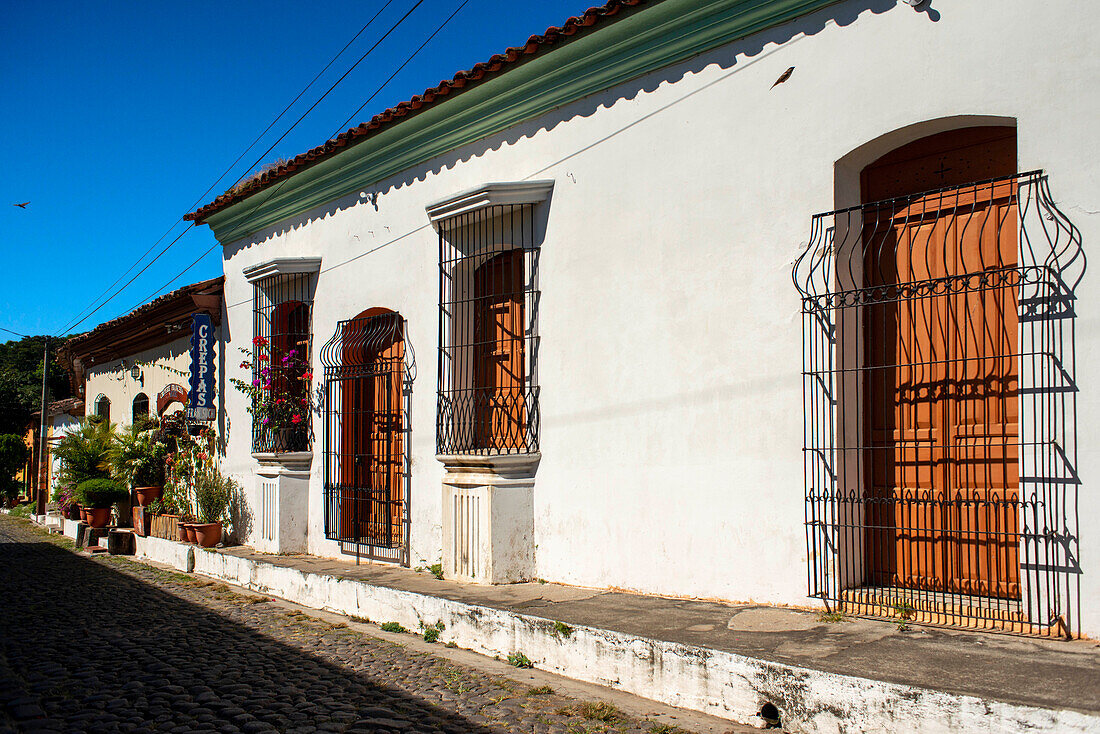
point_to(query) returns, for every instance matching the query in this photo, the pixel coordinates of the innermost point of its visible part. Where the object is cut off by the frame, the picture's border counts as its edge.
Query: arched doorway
(140, 408)
(941, 425)
(103, 407)
(366, 381)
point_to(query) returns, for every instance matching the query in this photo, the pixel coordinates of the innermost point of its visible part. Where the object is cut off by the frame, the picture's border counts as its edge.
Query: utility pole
(40, 503)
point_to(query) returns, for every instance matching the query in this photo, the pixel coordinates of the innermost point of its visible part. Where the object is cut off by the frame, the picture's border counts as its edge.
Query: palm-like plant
(85, 453)
(137, 457)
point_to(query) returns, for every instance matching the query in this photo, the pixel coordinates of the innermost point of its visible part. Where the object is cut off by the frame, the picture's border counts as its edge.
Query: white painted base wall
(715, 682)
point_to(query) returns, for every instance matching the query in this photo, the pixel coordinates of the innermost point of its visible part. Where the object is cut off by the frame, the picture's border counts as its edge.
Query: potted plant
(138, 460)
(99, 496)
(213, 491)
(278, 395)
(85, 454)
(65, 497)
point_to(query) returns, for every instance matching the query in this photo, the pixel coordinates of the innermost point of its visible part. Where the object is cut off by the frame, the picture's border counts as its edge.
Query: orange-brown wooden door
(499, 354)
(941, 381)
(372, 439)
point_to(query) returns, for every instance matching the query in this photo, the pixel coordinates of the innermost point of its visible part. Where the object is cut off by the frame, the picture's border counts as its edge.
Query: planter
(72, 512)
(99, 517)
(165, 526)
(142, 520)
(187, 532)
(84, 515)
(146, 495)
(207, 534)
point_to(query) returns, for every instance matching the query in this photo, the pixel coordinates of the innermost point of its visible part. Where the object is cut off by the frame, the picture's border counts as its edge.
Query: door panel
(941, 407)
(499, 353)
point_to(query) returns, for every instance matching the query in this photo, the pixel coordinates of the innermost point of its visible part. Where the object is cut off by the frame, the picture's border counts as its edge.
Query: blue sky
(117, 116)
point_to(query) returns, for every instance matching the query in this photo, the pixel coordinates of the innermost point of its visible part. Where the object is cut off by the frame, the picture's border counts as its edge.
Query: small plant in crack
(519, 660)
(905, 611)
(561, 629)
(393, 627)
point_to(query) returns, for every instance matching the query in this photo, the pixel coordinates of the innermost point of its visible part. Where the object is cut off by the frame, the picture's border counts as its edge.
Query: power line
(25, 336)
(339, 129)
(83, 316)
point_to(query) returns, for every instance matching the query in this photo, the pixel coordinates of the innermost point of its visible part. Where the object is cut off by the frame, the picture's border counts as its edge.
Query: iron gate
(939, 393)
(368, 378)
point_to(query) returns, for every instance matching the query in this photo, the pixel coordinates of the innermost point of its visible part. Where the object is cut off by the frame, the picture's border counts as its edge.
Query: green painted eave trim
(645, 41)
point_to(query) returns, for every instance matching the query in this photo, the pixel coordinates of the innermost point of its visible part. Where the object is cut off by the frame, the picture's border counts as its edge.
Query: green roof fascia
(645, 41)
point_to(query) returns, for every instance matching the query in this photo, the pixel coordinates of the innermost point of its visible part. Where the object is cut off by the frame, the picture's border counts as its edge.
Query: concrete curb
(712, 681)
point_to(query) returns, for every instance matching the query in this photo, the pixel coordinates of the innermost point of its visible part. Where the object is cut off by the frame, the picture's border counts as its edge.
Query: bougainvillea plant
(194, 455)
(280, 387)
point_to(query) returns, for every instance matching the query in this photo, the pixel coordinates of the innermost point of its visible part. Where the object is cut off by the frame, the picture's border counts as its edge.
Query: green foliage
(100, 493)
(393, 627)
(437, 570)
(21, 381)
(13, 457)
(830, 617)
(431, 634)
(561, 628)
(213, 492)
(23, 511)
(85, 453)
(600, 711)
(519, 660)
(137, 457)
(65, 496)
(905, 611)
(540, 691)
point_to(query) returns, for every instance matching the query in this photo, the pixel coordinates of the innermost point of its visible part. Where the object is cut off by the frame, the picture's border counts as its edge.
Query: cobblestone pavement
(107, 644)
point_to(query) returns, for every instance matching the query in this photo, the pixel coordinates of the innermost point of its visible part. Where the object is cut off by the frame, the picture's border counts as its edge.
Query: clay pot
(146, 495)
(84, 515)
(187, 532)
(207, 534)
(99, 517)
(72, 512)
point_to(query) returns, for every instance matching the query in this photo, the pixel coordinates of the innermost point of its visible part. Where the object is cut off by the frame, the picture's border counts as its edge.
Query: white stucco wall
(60, 425)
(160, 366)
(671, 342)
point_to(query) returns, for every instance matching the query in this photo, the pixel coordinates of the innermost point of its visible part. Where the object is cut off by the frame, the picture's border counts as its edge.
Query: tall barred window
(281, 317)
(488, 332)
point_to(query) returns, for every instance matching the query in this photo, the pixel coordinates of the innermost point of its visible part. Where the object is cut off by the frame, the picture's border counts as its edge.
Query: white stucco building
(571, 315)
(139, 364)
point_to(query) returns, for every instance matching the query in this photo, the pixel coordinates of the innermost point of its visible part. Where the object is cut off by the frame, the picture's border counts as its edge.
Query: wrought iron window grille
(369, 370)
(939, 384)
(488, 394)
(282, 324)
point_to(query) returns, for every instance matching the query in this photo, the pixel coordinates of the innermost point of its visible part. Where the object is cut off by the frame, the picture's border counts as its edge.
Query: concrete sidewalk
(725, 660)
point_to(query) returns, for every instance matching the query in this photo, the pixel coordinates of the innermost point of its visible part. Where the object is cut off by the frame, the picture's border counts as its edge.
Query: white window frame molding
(488, 195)
(281, 266)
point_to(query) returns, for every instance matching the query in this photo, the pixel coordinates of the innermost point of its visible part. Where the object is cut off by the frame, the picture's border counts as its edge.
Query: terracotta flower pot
(84, 515)
(99, 517)
(207, 534)
(146, 495)
(187, 532)
(72, 512)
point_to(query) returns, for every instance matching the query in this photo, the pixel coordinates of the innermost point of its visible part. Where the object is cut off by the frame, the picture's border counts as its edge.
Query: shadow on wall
(156, 659)
(753, 49)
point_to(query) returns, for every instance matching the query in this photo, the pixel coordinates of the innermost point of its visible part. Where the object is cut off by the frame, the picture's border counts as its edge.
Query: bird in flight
(783, 77)
(23, 205)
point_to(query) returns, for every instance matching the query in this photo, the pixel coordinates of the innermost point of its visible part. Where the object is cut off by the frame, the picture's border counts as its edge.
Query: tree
(13, 457)
(21, 381)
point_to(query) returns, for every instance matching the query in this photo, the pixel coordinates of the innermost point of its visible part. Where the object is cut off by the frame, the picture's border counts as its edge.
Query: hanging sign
(200, 402)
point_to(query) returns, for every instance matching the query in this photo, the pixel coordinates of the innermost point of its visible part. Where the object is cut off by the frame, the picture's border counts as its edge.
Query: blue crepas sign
(200, 400)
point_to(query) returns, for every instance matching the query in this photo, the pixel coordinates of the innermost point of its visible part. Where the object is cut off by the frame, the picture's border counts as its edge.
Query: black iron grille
(939, 386)
(282, 309)
(369, 370)
(488, 333)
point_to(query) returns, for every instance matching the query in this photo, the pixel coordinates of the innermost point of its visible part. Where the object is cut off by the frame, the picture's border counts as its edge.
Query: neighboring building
(550, 311)
(64, 416)
(138, 365)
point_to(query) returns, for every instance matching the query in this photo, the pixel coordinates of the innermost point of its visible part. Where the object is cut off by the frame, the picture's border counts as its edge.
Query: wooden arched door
(941, 367)
(372, 430)
(501, 407)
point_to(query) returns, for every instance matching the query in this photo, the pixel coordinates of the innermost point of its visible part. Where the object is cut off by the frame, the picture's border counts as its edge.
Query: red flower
(245, 365)
(202, 455)
(296, 418)
(260, 341)
(306, 375)
(262, 357)
(279, 401)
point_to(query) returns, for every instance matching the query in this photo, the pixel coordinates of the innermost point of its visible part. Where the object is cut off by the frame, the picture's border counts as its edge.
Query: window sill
(288, 460)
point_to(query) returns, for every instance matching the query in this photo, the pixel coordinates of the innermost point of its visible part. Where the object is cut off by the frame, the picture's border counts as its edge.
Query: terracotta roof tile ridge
(494, 65)
(191, 288)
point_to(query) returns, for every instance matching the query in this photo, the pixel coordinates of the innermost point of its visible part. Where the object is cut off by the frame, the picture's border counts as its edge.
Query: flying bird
(783, 77)
(23, 205)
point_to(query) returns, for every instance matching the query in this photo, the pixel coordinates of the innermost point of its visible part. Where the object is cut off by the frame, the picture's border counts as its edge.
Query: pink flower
(256, 382)
(266, 420)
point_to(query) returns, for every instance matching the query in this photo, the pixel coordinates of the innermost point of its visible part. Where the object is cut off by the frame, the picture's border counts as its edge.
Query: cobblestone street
(107, 644)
